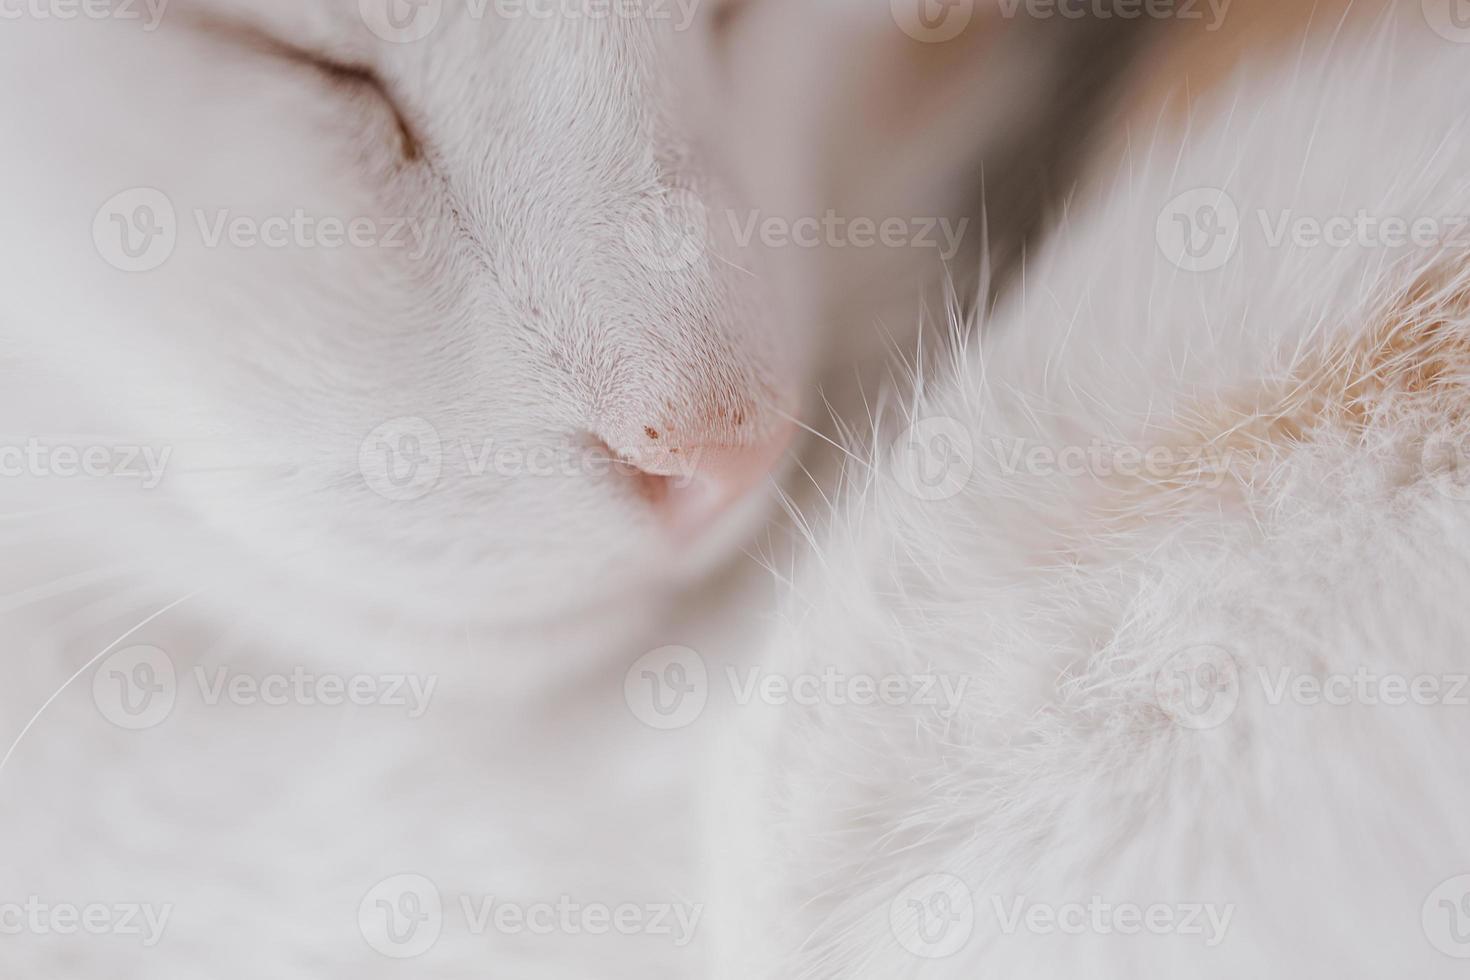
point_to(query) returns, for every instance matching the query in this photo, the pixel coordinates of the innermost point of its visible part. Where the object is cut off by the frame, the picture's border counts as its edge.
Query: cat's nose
(699, 482)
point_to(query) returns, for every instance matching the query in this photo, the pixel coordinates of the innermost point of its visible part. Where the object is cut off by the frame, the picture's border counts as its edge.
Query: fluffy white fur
(535, 321)
(532, 321)
(1321, 374)
(529, 316)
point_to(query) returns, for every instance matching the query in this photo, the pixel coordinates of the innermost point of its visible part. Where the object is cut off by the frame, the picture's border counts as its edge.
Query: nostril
(649, 485)
(691, 486)
(692, 470)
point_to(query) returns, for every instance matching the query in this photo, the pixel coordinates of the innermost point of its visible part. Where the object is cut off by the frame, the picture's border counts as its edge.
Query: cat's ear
(904, 111)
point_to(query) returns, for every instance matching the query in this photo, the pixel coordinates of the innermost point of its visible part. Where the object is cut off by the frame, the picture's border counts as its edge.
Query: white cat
(358, 305)
(322, 324)
(383, 289)
(1143, 652)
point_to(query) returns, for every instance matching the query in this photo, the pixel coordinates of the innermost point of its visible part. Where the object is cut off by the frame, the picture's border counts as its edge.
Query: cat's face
(396, 319)
(435, 307)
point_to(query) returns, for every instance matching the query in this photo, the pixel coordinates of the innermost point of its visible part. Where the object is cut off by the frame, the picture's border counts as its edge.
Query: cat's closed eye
(340, 72)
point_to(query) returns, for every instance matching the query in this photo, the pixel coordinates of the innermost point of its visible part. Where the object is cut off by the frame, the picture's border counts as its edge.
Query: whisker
(83, 669)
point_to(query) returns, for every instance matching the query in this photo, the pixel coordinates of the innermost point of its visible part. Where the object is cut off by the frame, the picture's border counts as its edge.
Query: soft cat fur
(1307, 516)
(521, 310)
(541, 298)
(525, 310)
(1329, 382)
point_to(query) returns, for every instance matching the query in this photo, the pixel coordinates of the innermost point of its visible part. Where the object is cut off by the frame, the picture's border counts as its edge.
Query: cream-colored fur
(1137, 644)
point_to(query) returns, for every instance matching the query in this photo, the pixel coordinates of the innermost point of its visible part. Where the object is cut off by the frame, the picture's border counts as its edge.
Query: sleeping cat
(1141, 649)
(397, 307)
(381, 379)
(434, 327)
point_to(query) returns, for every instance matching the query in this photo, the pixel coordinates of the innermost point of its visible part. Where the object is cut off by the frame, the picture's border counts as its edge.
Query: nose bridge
(669, 389)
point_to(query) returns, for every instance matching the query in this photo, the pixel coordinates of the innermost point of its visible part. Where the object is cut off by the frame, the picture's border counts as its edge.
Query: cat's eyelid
(353, 74)
(334, 68)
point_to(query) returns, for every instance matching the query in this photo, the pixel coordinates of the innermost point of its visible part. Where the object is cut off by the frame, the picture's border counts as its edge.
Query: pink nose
(700, 483)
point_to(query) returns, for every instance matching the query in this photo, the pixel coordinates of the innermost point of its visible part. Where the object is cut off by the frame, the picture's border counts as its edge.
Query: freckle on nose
(651, 432)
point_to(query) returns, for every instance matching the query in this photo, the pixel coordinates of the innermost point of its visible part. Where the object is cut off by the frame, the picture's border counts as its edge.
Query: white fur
(529, 316)
(532, 322)
(536, 321)
(1060, 600)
